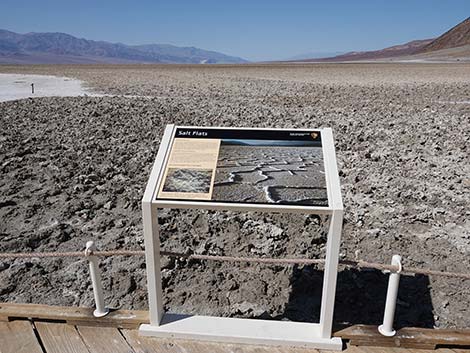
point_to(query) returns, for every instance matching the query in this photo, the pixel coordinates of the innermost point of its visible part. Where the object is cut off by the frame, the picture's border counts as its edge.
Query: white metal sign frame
(235, 330)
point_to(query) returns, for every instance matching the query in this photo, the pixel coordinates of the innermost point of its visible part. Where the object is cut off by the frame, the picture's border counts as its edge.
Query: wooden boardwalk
(35, 328)
(26, 336)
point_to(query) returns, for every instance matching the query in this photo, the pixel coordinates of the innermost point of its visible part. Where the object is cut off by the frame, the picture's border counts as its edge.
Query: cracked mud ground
(74, 169)
(271, 175)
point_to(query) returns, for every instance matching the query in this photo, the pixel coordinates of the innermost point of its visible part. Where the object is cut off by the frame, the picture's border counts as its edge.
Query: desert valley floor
(74, 169)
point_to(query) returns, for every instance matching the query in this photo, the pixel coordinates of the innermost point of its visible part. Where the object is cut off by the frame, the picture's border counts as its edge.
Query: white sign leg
(152, 258)
(330, 273)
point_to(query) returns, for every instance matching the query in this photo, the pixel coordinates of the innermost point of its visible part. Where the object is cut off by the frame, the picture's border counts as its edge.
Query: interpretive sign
(246, 166)
(244, 169)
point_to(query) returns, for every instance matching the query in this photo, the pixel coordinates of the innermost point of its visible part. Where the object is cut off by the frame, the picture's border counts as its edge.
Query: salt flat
(74, 169)
(18, 86)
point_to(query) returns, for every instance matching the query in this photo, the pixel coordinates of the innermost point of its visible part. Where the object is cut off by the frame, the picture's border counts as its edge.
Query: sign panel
(256, 166)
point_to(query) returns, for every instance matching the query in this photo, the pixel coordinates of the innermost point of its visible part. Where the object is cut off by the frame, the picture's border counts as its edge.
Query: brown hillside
(394, 51)
(455, 37)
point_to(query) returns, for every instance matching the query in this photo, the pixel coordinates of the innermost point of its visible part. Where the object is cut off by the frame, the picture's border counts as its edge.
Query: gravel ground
(74, 169)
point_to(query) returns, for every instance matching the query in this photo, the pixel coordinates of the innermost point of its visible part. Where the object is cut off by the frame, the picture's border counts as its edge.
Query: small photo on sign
(188, 180)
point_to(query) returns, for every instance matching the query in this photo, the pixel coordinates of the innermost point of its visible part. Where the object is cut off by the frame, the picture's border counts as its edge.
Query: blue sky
(255, 30)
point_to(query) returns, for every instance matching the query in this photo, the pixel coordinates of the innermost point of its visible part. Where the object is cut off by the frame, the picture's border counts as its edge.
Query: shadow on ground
(360, 298)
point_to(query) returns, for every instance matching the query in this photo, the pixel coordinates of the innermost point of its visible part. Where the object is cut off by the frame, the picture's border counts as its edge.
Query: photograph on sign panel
(188, 180)
(270, 171)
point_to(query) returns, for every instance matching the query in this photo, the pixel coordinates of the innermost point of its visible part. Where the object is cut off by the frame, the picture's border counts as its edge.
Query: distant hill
(457, 36)
(409, 48)
(454, 44)
(171, 53)
(62, 48)
(314, 55)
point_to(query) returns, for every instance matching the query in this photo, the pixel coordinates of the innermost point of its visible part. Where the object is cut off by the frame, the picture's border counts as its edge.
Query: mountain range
(62, 48)
(452, 45)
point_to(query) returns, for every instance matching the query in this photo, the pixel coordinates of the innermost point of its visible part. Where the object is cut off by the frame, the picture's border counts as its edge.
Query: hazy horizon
(254, 31)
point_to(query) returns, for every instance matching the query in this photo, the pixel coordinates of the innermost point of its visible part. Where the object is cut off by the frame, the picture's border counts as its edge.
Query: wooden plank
(420, 338)
(290, 350)
(18, 337)
(349, 349)
(145, 344)
(75, 316)
(99, 323)
(354, 349)
(440, 350)
(104, 340)
(390, 344)
(369, 349)
(60, 338)
(141, 344)
(359, 349)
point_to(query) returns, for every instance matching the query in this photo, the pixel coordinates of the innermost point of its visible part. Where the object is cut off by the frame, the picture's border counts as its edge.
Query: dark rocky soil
(74, 169)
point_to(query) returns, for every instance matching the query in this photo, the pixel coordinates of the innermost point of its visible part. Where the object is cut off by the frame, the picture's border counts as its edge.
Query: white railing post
(100, 310)
(386, 328)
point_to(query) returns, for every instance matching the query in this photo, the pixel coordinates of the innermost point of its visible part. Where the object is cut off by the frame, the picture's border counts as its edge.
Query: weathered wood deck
(25, 336)
(50, 329)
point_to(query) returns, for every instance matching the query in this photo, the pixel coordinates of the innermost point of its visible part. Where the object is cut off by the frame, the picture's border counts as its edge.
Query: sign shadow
(360, 298)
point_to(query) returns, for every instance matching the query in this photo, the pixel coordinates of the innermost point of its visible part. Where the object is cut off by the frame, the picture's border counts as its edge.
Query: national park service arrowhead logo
(314, 135)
